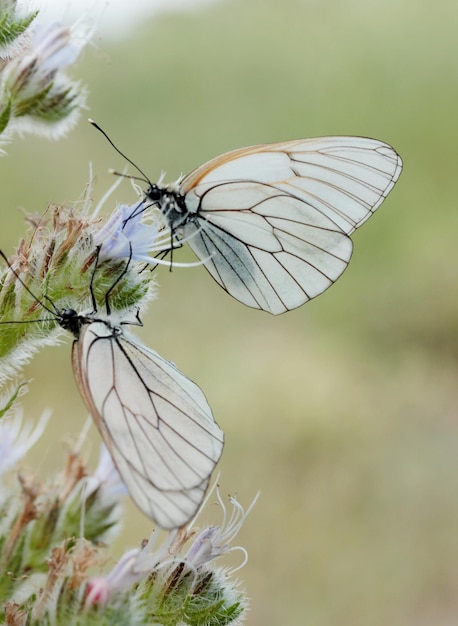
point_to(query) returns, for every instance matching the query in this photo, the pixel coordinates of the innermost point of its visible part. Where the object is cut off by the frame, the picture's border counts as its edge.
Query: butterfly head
(170, 202)
(70, 320)
(154, 193)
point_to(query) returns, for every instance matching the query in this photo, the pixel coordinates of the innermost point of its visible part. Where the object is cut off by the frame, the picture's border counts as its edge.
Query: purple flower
(122, 577)
(169, 559)
(134, 566)
(215, 540)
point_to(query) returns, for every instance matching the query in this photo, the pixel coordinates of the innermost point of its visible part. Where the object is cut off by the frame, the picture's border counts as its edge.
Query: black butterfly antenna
(149, 193)
(144, 178)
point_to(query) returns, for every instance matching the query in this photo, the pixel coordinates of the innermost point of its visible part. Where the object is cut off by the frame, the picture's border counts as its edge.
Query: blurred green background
(343, 412)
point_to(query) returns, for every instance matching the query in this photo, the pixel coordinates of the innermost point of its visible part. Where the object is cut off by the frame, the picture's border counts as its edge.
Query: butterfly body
(272, 223)
(72, 321)
(172, 205)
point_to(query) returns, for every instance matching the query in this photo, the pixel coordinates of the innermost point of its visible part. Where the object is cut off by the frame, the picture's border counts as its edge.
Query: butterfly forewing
(271, 222)
(156, 422)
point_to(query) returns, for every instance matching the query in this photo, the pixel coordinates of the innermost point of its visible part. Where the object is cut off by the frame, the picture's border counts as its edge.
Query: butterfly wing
(155, 422)
(275, 219)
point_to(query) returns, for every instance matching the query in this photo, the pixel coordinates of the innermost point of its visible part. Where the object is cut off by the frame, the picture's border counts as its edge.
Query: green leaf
(13, 26)
(12, 400)
(51, 104)
(5, 115)
(32, 104)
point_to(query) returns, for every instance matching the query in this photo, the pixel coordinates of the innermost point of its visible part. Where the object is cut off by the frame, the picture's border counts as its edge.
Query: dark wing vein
(275, 254)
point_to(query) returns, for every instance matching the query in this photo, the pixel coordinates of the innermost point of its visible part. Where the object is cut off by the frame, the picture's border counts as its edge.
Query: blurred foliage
(343, 412)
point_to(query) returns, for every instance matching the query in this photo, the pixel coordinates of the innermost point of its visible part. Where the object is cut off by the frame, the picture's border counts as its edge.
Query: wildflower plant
(54, 561)
(36, 95)
(55, 566)
(51, 560)
(54, 270)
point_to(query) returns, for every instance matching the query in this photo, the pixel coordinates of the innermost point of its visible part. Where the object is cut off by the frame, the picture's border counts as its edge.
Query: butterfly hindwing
(156, 422)
(267, 262)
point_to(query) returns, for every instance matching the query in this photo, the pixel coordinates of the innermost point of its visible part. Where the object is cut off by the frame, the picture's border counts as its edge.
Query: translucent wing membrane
(156, 423)
(265, 261)
(275, 219)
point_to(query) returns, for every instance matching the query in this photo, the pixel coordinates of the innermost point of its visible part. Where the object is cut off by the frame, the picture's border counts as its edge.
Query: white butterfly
(155, 422)
(271, 223)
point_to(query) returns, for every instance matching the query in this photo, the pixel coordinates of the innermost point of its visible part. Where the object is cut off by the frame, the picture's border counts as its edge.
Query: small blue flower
(41, 97)
(126, 234)
(52, 48)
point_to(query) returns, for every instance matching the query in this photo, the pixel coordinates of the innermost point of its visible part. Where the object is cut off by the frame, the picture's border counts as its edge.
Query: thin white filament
(107, 194)
(189, 264)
